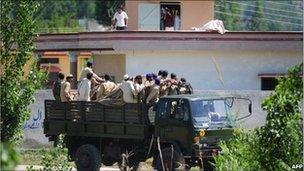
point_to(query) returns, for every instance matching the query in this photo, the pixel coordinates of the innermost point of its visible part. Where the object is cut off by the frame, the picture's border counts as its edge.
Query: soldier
(105, 88)
(65, 90)
(89, 69)
(185, 87)
(172, 85)
(154, 93)
(57, 86)
(164, 81)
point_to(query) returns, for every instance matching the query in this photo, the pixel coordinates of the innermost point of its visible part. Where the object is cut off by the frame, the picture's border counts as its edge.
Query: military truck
(184, 132)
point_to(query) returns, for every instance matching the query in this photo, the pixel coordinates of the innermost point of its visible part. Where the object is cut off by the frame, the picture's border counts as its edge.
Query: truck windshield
(208, 113)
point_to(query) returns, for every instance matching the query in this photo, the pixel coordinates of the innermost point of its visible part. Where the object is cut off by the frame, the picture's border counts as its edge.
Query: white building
(210, 61)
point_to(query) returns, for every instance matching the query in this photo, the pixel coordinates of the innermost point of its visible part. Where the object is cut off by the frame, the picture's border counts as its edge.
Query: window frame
(166, 107)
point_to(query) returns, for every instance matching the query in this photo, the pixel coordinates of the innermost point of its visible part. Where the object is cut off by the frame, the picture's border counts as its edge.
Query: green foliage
(239, 153)
(57, 16)
(277, 145)
(260, 15)
(62, 16)
(17, 87)
(282, 137)
(9, 156)
(59, 141)
(257, 21)
(230, 14)
(53, 160)
(85, 9)
(105, 10)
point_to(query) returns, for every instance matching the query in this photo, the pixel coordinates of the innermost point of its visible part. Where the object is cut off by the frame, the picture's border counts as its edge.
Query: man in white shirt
(120, 19)
(84, 88)
(129, 92)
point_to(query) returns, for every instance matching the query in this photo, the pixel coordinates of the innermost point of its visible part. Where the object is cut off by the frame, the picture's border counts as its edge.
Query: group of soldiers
(144, 89)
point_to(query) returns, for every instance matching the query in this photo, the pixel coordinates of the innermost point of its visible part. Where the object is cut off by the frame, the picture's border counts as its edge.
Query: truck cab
(191, 126)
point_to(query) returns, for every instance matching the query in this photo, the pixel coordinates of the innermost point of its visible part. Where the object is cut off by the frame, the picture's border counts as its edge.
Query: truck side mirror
(244, 111)
(250, 108)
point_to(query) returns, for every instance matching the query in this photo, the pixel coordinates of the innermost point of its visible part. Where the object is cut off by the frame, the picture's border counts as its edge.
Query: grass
(35, 156)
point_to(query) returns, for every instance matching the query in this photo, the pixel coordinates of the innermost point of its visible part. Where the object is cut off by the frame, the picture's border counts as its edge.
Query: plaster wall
(214, 70)
(111, 64)
(33, 136)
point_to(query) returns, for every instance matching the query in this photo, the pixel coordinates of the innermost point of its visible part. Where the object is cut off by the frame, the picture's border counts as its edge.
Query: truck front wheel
(88, 158)
(173, 161)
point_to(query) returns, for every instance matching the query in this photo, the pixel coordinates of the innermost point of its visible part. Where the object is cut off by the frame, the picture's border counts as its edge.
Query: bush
(239, 153)
(278, 145)
(281, 138)
(54, 160)
(9, 156)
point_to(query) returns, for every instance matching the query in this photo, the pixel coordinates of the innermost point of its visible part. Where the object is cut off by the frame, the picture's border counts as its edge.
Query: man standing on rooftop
(120, 19)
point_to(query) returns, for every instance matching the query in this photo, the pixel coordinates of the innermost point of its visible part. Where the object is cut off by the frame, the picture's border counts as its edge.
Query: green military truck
(184, 132)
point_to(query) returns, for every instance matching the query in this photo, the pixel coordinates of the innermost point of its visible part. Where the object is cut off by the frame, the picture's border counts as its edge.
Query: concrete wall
(33, 128)
(214, 70)
(196, 13)
(111, 64)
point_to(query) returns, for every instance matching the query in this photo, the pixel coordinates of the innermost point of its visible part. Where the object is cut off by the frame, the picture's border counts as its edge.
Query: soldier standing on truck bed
(185, 87)
(89, 69)
(105, 88)
(154, 93)
(57, 86)
(65, 90)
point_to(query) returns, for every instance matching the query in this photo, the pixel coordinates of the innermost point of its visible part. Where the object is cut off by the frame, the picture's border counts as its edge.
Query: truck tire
(178, 160)
(107, 161)
(87, 158)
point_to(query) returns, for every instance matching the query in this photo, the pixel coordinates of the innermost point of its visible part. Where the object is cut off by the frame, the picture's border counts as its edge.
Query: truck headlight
(199, 136)
(201, 133)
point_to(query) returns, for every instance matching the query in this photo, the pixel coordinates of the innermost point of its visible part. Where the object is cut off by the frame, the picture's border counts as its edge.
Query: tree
(281, 138)
(85, 9)
(257, 21)
(17, 87)
(57, 16)
(229, 13)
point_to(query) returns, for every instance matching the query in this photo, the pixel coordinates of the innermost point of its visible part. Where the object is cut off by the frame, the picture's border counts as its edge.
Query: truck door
(172, 121)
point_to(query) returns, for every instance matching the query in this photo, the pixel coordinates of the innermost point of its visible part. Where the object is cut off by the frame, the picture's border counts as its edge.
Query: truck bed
(92, 119)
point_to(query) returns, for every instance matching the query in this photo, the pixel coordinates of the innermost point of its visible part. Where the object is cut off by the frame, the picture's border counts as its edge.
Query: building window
(49, 61)
(170, 18)
(268, 83)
